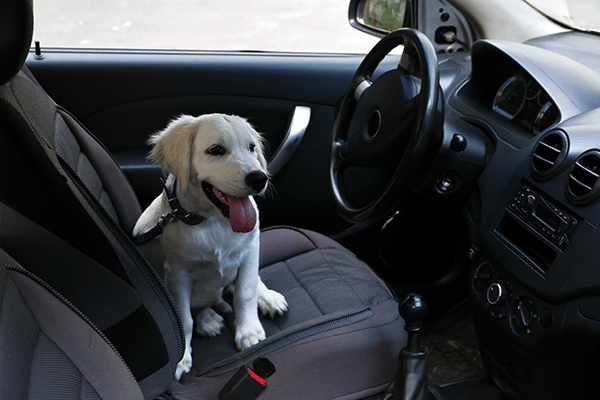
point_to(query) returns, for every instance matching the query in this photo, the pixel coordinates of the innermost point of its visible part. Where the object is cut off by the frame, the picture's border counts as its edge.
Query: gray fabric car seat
(84, 315)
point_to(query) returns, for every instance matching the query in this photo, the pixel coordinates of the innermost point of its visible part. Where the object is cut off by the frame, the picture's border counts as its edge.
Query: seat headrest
(16, 31)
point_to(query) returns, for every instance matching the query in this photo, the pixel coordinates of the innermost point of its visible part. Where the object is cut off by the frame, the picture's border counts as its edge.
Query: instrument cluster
(524, 102)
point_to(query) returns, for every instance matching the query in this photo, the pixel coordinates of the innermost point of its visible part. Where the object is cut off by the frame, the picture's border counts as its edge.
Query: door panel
(124, 96)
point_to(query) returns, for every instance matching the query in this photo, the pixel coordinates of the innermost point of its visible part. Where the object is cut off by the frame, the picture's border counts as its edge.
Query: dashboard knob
(523, 315)
(498, 294)
(527, 203)
(483, 275)
(458, 143)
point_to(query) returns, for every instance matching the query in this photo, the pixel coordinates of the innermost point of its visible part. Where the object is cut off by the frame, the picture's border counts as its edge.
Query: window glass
(265, 25)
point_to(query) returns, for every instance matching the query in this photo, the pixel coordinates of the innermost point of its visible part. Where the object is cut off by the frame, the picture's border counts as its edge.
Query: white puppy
(215, 165)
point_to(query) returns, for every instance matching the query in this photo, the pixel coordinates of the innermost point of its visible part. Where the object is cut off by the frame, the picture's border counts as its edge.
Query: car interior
(433, 219)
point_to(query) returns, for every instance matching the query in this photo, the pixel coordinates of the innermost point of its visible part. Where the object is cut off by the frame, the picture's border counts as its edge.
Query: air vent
(584, 180)
(549, 153)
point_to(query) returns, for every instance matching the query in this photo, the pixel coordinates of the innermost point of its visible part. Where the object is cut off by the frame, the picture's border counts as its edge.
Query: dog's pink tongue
(242, 215)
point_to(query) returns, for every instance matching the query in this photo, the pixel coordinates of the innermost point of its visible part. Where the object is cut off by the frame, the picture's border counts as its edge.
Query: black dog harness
(177, 213)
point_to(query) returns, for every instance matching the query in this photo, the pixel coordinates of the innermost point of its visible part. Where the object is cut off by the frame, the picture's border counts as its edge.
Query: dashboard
(534, 216)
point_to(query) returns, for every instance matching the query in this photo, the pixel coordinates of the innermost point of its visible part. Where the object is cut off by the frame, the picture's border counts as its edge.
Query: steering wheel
(386, 122)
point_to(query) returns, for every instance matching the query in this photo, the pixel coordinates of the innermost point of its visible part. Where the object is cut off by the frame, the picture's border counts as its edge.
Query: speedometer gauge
(510, 97)
(545, 118)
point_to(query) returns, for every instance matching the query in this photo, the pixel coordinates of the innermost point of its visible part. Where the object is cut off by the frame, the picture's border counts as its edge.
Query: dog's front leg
(180, 282)
(248, 329)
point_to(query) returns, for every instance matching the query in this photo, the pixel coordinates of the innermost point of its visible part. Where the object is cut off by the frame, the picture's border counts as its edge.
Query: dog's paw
(209, 323)
(271, 303)
(248, 337)
(184, 366)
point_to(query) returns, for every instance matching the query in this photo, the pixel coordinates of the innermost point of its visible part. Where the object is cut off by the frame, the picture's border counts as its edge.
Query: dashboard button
(546, 318)
(498, 314)
(458, 143)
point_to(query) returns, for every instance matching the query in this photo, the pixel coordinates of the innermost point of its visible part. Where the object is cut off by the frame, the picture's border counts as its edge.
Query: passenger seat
(84, 315)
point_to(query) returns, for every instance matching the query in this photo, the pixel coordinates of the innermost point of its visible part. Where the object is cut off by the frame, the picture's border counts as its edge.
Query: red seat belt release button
(247, 384)
(256, 377)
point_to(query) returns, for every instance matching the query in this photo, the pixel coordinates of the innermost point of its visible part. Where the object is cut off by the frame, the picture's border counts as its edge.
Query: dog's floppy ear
(173, 148)
(260, 148)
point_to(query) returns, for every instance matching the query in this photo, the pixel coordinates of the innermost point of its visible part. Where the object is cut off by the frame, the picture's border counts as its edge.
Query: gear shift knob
(413, 310)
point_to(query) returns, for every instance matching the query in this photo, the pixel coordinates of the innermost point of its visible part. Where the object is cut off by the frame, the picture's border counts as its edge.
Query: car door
(123, 97)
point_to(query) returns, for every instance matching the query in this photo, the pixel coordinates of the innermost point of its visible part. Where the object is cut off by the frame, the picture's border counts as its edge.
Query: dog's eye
(216, 151)
(252, 147)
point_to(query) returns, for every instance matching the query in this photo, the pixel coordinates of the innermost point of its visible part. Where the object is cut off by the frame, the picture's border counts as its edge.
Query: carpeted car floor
(453, 349)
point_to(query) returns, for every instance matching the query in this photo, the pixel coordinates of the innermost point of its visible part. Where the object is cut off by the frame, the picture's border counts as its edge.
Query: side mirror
(377, 17)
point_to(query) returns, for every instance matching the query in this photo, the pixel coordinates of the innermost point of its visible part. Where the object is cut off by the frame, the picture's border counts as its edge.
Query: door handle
(300, 118)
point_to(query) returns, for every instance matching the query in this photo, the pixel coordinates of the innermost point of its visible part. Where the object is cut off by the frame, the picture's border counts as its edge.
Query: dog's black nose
(257, 180)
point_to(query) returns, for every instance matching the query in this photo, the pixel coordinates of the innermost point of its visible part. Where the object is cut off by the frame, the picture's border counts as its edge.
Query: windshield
(578, 14)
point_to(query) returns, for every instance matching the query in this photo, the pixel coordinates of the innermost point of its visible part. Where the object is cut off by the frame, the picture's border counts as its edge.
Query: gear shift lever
(411, 377)
(414, 311)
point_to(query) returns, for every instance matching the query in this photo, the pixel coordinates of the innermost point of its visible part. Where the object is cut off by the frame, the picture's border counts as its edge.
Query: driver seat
(82, 312)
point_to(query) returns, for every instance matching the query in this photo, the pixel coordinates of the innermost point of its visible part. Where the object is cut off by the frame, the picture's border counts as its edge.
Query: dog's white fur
(202, 260)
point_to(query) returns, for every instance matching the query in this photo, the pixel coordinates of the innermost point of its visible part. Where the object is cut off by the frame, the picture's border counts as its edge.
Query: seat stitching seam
(343, 279)
(35, 347)
(303, 287)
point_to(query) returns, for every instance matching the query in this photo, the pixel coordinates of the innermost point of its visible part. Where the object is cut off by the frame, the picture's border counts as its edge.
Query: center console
(533, 288)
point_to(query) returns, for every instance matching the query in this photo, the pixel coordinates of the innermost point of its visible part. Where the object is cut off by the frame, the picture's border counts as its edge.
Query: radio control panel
(543, 216)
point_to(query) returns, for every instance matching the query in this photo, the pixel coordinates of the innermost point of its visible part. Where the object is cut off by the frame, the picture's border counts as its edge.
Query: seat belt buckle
(247, 384)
